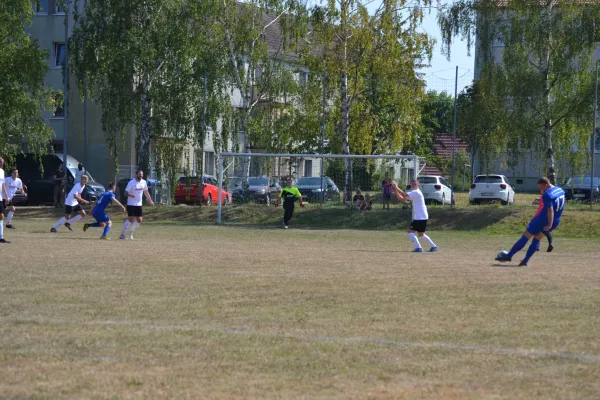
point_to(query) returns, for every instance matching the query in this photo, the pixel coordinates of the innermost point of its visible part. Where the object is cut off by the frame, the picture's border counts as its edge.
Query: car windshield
(310, 181)
(185, 180)
(258, 181)
(75, 170)
(428, 179)
(488, 179)
(585, 180)
(235, 182)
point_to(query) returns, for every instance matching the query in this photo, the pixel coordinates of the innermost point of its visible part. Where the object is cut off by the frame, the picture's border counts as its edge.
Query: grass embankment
(578, 220)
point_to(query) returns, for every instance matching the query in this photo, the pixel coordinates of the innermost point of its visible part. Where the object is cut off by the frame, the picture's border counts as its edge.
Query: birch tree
(545, 65)
(144, 62)
(371, 62)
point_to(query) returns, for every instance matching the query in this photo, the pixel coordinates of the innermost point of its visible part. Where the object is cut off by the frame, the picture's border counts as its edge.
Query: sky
(441, 74)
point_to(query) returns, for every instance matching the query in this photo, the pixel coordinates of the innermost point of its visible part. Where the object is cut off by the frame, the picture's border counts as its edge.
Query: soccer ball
(502, 254)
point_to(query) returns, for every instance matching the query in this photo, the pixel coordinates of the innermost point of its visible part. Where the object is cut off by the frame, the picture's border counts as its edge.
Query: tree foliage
(370, 60)
(144, 61)
(23, 96)
(542, 72)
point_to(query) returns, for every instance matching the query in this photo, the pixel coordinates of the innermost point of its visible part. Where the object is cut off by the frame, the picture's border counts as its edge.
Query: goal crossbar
(222, 155)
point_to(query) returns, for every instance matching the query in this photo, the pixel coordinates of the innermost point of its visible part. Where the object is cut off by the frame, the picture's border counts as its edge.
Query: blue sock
(94, 225)
(518, 246)
(106, 230)
(533, 247)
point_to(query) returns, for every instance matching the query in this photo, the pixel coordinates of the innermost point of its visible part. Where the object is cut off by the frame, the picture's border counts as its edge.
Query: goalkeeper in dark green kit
(289, 196)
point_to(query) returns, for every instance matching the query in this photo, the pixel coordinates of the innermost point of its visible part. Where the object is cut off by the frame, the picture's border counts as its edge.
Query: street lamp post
(66, 98)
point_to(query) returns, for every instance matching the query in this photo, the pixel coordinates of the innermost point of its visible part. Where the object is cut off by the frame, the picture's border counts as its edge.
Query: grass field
(189, 311)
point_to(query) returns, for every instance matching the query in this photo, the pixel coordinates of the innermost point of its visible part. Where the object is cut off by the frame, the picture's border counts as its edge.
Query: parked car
(315, 189)
(20, 197)
(41, 185)
(435, 188)
(263, 189)
(579, 189)
(487, 188)
(187, 191)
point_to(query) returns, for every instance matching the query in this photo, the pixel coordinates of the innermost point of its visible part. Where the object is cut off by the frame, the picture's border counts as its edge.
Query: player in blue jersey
(553, 198)
(99, 211)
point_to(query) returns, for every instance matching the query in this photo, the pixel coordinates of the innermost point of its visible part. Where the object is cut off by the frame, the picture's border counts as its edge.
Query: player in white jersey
(73, 205)
(12, 183)
(3, 195)
(135, 188)
(419, 215)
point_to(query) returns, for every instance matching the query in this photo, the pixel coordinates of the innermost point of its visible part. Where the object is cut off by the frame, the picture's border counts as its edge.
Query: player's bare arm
(117, 202)
(550, 219)
(93, 206)
(148, 197)
(81, 199)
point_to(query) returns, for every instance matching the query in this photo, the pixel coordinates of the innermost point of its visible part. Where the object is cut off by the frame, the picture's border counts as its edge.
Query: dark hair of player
(544, 181)
(111, 186)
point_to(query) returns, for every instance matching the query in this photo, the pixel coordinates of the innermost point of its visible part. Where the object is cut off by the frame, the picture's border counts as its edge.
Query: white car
(487, 188)
(435, 189)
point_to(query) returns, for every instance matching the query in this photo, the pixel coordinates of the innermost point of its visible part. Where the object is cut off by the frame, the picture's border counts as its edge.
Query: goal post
(256, 177)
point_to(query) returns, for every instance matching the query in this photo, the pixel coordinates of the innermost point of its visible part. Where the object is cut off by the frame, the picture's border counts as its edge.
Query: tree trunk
(345, 144)
(144, 158)
(550, 171)
(550, 165)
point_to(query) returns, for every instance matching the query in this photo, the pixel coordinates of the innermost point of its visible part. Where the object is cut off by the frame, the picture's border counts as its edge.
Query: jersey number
(560, 203)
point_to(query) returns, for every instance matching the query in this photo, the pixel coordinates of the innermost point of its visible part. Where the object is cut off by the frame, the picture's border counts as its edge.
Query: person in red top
(548, 234)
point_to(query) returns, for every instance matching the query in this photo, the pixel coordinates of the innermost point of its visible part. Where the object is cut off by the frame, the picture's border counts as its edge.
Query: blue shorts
(101, 217)
(538, 224)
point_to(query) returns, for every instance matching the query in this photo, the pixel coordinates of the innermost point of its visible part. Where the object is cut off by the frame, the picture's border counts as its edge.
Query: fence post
(220, 195)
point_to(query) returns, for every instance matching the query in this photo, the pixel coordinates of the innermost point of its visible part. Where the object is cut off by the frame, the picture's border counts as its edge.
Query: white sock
(125, 226)
(9, 217)
(428, 241)
(1, 229)
(75, 219)
(413, 238)
(134, 226)
(59, 223)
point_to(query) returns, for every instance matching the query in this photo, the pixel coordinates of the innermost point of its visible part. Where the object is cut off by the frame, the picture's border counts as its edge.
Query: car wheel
(505, 202)
(473, 202)
(208, 200)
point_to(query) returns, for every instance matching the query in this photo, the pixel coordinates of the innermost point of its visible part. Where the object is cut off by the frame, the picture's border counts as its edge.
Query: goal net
(324, 180)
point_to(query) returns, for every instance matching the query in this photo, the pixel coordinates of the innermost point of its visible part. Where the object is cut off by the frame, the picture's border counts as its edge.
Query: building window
(60, 8)
(58, 110)
(209, 163)
(302, 78)
(597, 141)
(40, 6)
(59, 54)
(308, 167)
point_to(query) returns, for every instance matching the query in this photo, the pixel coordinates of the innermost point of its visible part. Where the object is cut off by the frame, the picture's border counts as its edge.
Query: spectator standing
(387, 192)
(59, 184)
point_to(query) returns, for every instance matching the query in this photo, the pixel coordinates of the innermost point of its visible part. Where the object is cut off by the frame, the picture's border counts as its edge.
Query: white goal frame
(222, 155)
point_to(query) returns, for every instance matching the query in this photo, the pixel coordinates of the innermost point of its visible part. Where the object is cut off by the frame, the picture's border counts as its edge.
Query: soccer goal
(326, 180)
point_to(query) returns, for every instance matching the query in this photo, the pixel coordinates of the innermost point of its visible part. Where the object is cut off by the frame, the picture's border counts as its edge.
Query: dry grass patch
(209, 312)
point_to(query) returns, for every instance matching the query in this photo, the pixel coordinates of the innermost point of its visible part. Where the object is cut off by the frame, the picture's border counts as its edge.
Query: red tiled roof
(443, 145)
(430, 170)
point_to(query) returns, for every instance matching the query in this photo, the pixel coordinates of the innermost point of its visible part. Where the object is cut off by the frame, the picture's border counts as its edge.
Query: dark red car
(188, 192)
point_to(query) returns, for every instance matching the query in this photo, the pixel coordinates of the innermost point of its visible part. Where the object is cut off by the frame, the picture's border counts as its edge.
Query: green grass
(495, 219)
(188, 311)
